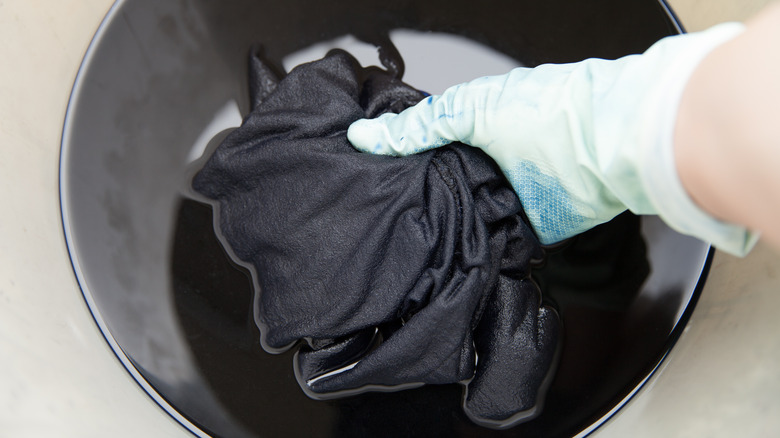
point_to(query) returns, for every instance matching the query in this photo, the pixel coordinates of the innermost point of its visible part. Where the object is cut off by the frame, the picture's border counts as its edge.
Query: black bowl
(160, 84)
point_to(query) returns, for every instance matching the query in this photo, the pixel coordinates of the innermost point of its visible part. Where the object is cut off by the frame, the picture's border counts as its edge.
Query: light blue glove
(580, 143)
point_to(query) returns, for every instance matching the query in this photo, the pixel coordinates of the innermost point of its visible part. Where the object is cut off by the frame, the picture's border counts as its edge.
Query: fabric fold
(387, 272)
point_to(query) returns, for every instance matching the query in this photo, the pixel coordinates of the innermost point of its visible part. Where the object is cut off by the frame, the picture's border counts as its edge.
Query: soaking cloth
(388, 272)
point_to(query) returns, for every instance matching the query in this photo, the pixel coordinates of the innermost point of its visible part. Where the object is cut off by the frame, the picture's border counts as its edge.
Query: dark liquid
(157, 74)
(611, 342)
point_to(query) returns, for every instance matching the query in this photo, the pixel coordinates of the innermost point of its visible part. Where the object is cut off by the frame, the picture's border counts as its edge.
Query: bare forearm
(727, 137)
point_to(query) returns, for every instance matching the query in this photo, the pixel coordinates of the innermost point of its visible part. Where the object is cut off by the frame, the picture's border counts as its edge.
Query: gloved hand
(579, 143)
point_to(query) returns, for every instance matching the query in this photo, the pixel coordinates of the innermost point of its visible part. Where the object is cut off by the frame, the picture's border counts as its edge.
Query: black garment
(404, 267)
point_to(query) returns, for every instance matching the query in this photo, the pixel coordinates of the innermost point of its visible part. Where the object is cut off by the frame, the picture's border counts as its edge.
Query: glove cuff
(662, 186)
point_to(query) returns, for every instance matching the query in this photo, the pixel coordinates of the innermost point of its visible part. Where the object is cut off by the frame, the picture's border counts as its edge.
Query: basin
(164, 82)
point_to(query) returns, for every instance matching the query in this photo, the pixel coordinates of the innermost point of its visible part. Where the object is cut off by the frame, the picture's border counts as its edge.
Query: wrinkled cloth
(388, 272)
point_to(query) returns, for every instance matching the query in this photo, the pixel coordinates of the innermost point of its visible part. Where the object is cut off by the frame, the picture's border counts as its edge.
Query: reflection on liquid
(434, 61)
(611, 341)
(159, 72)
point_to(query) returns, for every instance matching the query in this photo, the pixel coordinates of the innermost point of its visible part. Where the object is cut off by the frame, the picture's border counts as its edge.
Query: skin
(727, 135)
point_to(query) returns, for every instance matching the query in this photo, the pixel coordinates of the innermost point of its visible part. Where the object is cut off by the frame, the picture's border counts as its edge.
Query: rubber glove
(579, 143)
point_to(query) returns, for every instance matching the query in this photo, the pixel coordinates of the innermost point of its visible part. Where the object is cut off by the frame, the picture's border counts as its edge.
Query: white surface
(59, 378)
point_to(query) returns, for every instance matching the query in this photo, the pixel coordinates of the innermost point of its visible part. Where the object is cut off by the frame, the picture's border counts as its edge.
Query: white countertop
(58, 377)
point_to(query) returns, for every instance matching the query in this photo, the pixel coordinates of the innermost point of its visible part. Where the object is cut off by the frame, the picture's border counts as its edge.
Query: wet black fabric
(393, 271)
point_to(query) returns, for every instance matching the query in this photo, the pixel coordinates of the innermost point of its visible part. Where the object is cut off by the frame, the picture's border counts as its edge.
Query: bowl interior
(159, 87)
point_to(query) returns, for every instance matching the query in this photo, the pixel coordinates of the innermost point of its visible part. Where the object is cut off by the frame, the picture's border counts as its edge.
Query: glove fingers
(435, 121)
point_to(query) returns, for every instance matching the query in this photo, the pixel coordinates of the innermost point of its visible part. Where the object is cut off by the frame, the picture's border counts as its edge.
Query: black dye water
(593, 280)
(156, 75)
